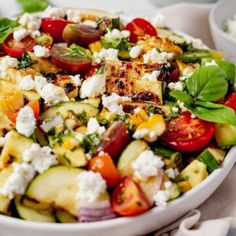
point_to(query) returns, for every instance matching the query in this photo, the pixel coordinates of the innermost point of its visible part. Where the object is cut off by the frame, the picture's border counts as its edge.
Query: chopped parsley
(26, 61)
(90, 143)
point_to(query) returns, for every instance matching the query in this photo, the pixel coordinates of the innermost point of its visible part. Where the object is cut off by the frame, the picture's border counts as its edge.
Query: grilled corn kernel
(139, 117)
(106, 115)
(185, 186)
(82, 129)
(69, 143)
(95, 47)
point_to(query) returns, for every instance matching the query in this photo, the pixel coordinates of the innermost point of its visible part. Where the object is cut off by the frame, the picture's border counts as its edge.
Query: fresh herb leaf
(33, 5)
(208, 83)
(182, 96)
(100, 70)
(90, 143)
(26, 61)
(126, 119)
(213, 112)
(229, 68)
(121, 44)
(7, 26)
(115, 23)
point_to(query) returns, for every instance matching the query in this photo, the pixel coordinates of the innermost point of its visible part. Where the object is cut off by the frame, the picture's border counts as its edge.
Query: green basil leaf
(208, 83)
(216, 113)
(182, 96)
(6, 27)
(229, 68)
(26, 61)
(33, 5)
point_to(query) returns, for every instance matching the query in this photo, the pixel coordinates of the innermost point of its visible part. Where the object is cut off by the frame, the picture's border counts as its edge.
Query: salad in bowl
(102, 119)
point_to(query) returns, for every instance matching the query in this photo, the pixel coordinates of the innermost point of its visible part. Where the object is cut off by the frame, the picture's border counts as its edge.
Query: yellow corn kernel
(82, 129)
(69, 143)
(105, 114)
(155, 125)
(185, 186)
(139, 117)
(95, 47)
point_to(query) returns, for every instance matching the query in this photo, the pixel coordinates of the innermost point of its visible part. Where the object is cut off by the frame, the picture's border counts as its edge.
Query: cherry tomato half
(106, 167)
(128, 199)
(16, 49)
(231, 101)
(115, 139)
(62, 57)
(139, 27)
(186, 134)
(54, 27)
(34, 104)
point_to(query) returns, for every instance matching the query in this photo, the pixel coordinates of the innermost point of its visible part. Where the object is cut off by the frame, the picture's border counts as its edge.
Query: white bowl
(223, 10)
(126, 226)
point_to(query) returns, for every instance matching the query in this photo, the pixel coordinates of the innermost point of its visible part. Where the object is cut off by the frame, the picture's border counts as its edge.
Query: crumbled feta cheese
(137, 110)
(151, 76)
(30, 22)
(140, 133)
(76, 80)
(106, 54)
(6, 63)
(153, 56)
(161, 198)
(18, 181)
(112, 103)
(19, 34)
(176, 86)
(40, 82)
(90, 23)
(94, 127)
(53, 94)
(2, 141)
(182, 106)
(172, 173)
(158, 20)
(135, 51)
(147, 165)
(230, 27)
(41, 158)
(93, 86)
(27, 83)
(73, 15)
(211, 63)
(175, 109)
(91, 187)
(198, 44)
(49, 124)
(41, 51)
(167, 184)
(25, 121)
(54, 12)
(116, 34)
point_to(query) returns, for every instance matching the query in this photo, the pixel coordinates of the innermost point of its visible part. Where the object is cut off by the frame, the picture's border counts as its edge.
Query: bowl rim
(228, 163)
(215, 26)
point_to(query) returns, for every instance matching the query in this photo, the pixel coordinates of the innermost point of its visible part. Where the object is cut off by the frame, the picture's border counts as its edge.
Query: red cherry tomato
(106, 167)
(186, 134)
(231, 101)
(16, 49)
(54, 27)
(115, 139)
(139, 27)
(35, 107)
(128, 199)
(62, 57)
(92, 71)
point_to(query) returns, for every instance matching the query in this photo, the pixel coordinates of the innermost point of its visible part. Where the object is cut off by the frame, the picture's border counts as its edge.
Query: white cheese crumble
(153, 56)
(140, 133)
(175, 109)
(181, 106)
(20, 34)
(230, 27)
(6, 63)
(161, 198)
(73, 15)
(151, 76)
(54, 12)
(172, 173)
(90, 23)
(27, 83)
(25, 121)
(105, 54)
(40, 82)
(41, 51)
(76, 80)
(94, 127)
(53, 94)
(112, 103)
(2, 141)
(116, 34)
(18, 181)
(176, 86)
(137, 110)
(91, 187)
(147, 165)
(93, 86)
(41, 158)
(135, 51)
